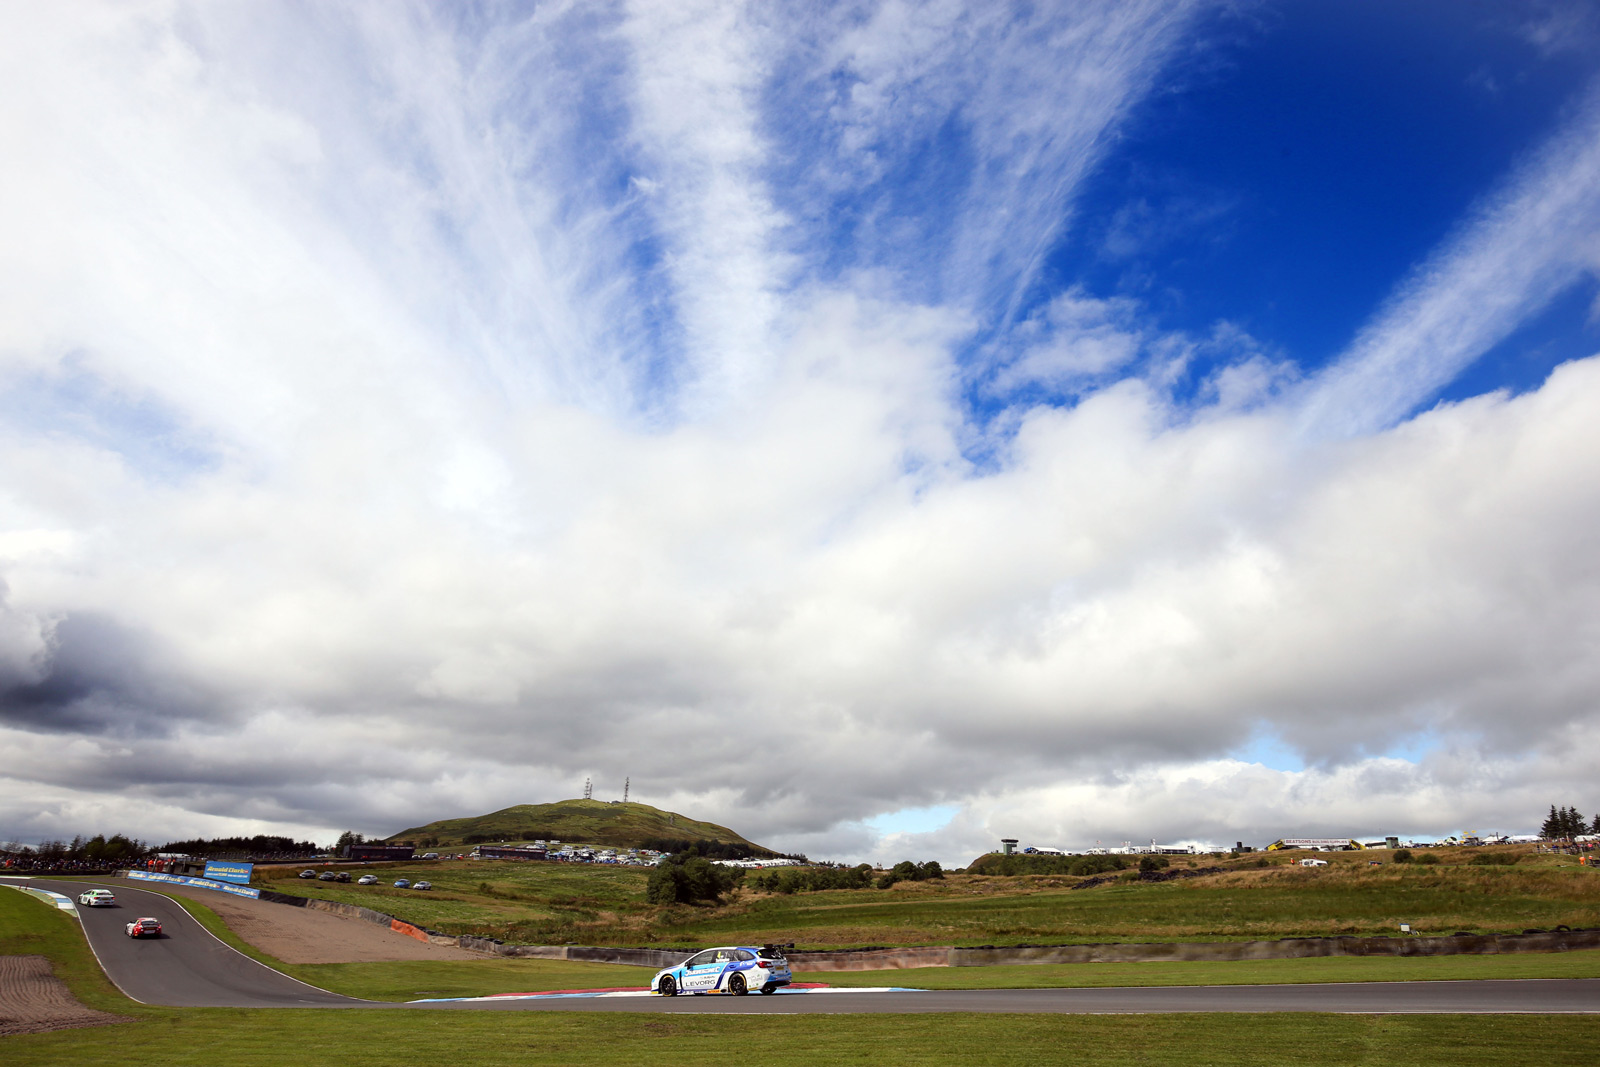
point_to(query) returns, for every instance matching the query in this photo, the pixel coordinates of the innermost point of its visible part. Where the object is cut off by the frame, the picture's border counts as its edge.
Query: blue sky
(1317, 155)
(1119, 421)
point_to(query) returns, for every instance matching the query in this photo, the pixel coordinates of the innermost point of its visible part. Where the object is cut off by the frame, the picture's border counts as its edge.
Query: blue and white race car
(737, 970)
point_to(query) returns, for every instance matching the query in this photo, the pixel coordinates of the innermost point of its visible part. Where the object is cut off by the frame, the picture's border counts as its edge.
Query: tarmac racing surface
(1528, 996)
(188, 967)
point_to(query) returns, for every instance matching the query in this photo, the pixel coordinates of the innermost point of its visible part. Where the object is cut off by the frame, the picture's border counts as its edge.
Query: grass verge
(31, 927)
(249, 1038)
(271, 1038)
(558, 903)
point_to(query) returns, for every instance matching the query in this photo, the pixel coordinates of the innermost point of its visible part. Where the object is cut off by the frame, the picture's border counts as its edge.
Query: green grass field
(257, 1038)
(411, 980)
(548, 903)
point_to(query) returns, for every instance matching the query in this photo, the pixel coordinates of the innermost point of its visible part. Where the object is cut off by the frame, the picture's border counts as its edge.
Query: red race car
(144, 928)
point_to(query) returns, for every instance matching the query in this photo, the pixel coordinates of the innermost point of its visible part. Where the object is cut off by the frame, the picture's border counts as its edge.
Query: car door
(701, 972)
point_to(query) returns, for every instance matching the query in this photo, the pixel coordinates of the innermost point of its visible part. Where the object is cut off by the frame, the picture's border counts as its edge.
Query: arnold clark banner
(237, 873)
(204, 883)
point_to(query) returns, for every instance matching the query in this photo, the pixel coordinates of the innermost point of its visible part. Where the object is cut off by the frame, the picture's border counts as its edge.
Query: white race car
(97, 898)
(736, 969)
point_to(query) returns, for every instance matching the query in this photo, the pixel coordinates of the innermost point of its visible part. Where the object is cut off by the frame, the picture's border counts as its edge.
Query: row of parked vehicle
(365, 879)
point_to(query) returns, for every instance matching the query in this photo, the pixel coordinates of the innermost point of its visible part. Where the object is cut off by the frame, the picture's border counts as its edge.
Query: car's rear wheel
(736, 985)
(768, 990)
(668, 987)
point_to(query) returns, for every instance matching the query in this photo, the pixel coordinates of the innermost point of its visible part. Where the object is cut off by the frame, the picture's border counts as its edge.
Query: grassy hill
(593, 904)
(592, 822)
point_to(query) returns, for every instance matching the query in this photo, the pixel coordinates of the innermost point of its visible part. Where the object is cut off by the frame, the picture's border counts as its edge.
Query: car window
(742, 956)
(703, 959)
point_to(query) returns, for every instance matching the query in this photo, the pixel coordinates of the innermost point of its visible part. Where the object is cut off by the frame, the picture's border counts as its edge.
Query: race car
(736, 969)
(144, 928)
(97, 898)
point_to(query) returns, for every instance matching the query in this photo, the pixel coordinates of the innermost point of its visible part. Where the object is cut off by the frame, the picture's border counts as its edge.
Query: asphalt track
(188, 967)
(1532, 996)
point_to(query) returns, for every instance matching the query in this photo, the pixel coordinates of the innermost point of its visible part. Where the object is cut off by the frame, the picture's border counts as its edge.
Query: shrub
(810, 879)
(1495, 859)
(1428, 857)
(686, 880)
(1403, 856)
(1154, 863)
(906, 871)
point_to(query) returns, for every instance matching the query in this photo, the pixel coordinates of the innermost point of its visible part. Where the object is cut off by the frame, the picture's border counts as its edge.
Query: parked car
(308, 874)
(402, 883)
(145, 928)
(97, 898)
(735, 969)
(342, 876)
(423, 885)
(430, 855)
(367, 879)
(1313, 863)
(327, 876)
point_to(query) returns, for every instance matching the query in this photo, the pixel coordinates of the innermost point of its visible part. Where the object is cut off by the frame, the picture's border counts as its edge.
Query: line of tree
(1020, 863)
(81, 853)
(1568, 822)
(788, 880)
(711, 850)
(259, 845)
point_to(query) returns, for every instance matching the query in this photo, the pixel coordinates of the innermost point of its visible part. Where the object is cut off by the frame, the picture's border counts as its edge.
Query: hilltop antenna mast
(625, 783)
(588, 789)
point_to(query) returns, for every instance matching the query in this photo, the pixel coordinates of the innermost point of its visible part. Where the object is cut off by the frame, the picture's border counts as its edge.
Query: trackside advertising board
(204, 883)
(237, 873)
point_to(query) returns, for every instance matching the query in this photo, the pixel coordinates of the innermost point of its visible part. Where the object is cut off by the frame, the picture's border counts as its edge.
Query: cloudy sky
(879, 427)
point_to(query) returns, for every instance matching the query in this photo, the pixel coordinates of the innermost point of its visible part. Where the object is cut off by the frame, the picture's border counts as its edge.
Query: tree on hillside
(1565, 822)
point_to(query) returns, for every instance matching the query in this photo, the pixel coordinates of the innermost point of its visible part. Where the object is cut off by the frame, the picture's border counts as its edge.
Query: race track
(188, 967)
(1535, 996)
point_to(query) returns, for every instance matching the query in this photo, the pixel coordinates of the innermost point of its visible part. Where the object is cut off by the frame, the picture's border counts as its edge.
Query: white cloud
(409, 419)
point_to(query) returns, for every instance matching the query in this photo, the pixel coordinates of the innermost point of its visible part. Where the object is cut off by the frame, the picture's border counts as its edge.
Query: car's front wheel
(736, 985)
(668, 988)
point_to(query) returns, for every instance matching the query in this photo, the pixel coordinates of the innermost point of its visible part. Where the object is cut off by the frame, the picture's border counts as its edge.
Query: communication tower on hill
(625, 783)
(588, 789)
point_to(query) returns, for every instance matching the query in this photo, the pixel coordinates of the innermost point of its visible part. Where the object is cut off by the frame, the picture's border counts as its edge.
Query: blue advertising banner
(203, 883)
(237, 873)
